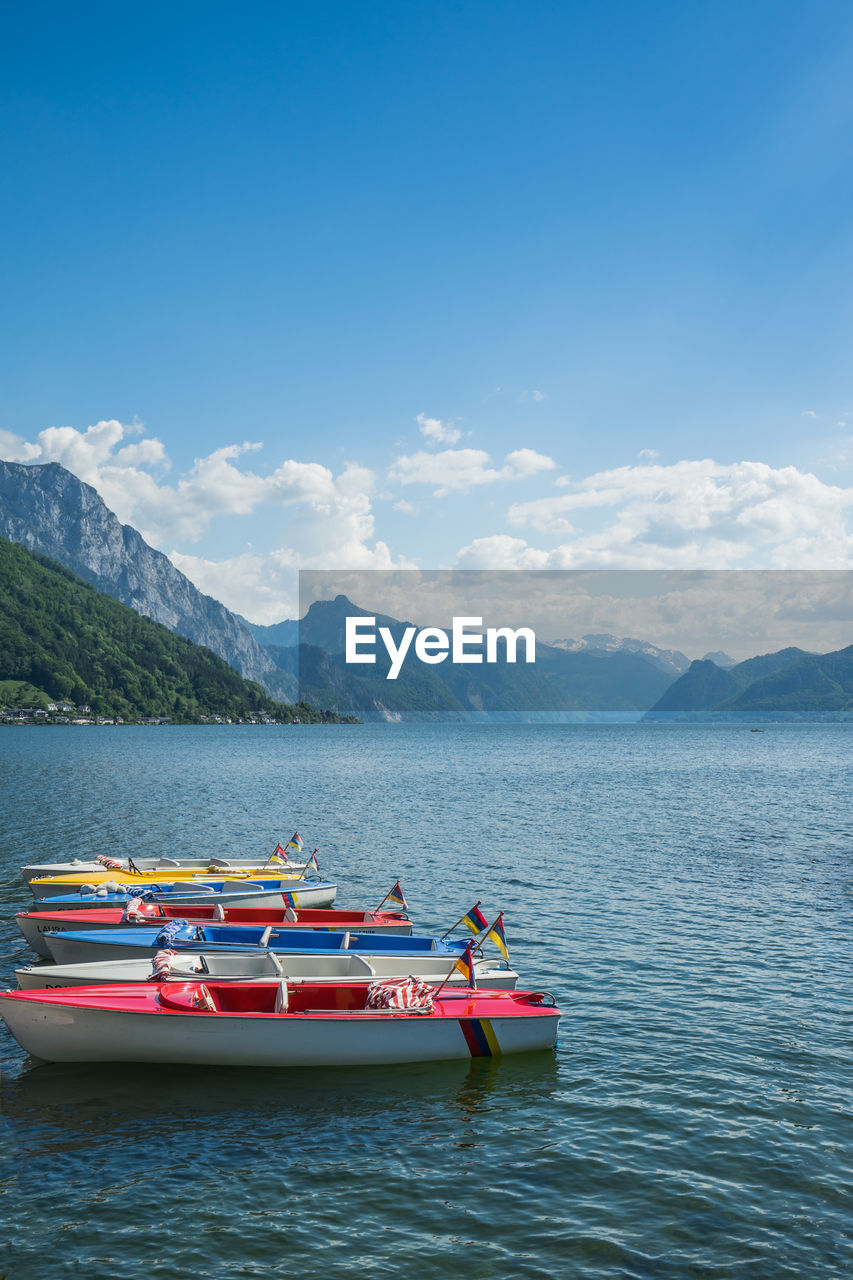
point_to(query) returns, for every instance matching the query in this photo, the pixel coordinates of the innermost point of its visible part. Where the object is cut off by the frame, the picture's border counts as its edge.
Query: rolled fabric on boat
(161, 966)
(400, 993)
(169, 932)
(133, 913)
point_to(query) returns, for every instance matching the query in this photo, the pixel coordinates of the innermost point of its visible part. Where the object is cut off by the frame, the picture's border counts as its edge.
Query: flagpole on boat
(467, 959)
(392, 892)
(471, 917)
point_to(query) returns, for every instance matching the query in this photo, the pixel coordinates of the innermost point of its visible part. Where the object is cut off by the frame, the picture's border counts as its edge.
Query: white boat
(273, 1025)
(267, 966)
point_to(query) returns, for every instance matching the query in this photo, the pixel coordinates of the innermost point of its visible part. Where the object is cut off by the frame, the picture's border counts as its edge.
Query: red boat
(34, 923)
(298, 1025)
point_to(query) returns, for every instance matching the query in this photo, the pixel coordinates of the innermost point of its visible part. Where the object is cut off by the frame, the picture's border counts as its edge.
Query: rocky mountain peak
(47, 509)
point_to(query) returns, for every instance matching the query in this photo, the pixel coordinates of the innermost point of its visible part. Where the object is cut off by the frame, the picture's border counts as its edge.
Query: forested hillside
(60, 639)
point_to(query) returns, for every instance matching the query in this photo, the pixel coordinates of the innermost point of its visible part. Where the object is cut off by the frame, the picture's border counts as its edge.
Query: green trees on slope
(65, 639)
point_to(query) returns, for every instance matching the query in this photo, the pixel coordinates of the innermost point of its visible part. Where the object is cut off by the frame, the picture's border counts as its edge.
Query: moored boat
(258, 894)
(180, 864)
(49, 886)
(265, 1025)
(267, 966)
(84, 945)
(33, 924)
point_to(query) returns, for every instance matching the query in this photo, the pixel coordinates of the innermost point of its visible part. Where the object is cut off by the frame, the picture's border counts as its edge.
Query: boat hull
(463, 1025)
(315, 894)
(49, 886)
(34, 925)
(328, 967)
(160, 866)
(139, 943)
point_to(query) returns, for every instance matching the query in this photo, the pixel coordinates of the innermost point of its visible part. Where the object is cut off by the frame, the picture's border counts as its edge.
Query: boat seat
(188, 999)
(280, 1005)
(202, 999)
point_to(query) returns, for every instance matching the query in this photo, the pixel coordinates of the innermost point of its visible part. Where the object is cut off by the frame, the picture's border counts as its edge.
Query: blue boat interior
(238, 938)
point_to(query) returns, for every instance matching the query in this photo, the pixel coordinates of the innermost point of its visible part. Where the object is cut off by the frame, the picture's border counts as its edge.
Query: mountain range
(50, 511)
(584, 681)
(786, 682)
(47, 509)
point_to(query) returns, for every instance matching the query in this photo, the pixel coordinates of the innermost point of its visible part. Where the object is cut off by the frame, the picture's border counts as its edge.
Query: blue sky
(541, 285)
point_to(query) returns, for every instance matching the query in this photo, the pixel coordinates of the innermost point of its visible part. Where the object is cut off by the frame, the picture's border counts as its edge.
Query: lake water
(686, 892)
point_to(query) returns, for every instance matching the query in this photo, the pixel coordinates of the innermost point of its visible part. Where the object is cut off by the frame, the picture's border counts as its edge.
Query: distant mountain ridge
(670, 660)
(47, 509)
(587, 683)
(790, 681)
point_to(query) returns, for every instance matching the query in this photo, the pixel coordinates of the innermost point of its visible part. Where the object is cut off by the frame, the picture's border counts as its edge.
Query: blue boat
(245, 893)
(79, 945)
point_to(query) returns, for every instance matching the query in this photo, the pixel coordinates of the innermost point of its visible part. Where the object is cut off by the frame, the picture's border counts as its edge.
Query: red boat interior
(329, 916)
(238, 997)
(311, 997)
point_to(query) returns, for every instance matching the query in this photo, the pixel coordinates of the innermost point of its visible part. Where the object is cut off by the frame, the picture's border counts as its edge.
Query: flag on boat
(295, 842)
(465, 965)
(497, 935)
(475, 920)
(395, 897)
(313, 859)
(279, 855)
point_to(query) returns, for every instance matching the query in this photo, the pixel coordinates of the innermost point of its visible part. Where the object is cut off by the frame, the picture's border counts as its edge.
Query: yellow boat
(49, 886)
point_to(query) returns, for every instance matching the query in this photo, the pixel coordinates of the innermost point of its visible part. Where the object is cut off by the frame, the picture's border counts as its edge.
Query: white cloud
(264, 588)
(691, 514)
(331, 520)
(407, 508)
(459, 470)
(651, 454)
(539, 396)
(437, 432)
(146, 454)
(14, 449)
(500, 551)
(808, 413)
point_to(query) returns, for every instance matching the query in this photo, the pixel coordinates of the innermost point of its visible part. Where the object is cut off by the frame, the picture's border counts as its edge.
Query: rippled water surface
(684, 891)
